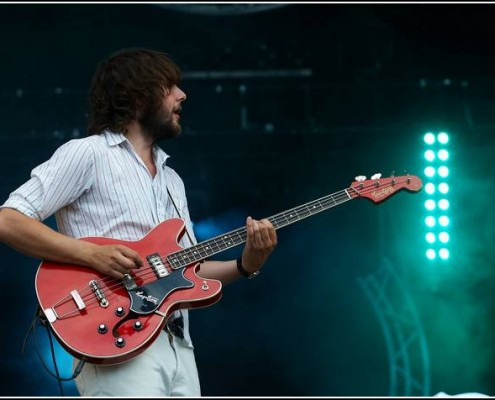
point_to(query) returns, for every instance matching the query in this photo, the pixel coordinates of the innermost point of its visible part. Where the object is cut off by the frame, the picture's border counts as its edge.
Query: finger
(266, 222)
(263, 226)
(257, 240)
(273, 236)
(249, 229)
(116, 274)
(115, 259)
(124, 262)
(270, 231)
(265, 235)
(116, 270)
(132, 255)
(120, 264)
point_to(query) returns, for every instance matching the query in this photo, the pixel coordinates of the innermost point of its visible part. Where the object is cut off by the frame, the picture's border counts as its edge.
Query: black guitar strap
(180, 216)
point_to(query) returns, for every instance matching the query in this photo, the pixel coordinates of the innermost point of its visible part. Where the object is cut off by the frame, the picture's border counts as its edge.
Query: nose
(181, 95)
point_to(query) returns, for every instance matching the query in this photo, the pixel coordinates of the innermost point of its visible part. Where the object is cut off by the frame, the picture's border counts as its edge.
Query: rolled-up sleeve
(55, 183)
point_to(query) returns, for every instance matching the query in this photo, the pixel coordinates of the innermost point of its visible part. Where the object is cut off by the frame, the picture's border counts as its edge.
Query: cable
(55, 363)
(31, 328)
(39, 319)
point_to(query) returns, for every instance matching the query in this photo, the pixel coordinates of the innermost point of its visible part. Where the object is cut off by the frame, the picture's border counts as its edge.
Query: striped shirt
(99, 186)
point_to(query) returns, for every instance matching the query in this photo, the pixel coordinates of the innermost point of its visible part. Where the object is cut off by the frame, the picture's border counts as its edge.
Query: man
(115, 183)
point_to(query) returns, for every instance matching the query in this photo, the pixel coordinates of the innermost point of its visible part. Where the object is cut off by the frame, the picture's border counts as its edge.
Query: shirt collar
(114, 139)
(160, 156)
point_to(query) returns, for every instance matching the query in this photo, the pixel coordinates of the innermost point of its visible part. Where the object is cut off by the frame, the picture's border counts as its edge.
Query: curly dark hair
(130, 83)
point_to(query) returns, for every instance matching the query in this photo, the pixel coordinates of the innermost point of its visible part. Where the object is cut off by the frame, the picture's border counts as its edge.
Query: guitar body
(104, 320)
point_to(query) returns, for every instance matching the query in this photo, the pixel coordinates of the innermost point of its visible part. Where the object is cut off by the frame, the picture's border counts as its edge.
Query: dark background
(288, 103)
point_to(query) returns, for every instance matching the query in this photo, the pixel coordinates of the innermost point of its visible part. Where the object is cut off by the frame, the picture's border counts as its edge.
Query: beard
(160, 125)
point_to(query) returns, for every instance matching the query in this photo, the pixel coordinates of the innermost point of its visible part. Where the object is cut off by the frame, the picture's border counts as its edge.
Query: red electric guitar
(104, 320)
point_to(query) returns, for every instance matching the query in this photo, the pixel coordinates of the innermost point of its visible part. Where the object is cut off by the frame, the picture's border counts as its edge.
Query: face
(165, 124)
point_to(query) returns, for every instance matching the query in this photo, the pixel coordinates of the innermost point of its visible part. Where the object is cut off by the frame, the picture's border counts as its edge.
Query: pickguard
(148, 298)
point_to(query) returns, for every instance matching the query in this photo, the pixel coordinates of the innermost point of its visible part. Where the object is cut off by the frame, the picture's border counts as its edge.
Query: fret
(196, 254)
(241, 238)
(210, 247)
(227, 241)
(314, 208)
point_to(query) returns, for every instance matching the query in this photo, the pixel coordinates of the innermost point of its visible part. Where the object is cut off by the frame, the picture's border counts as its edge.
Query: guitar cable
(39, 318)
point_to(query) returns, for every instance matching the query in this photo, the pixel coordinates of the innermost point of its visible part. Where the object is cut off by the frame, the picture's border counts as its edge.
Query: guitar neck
(238, 236)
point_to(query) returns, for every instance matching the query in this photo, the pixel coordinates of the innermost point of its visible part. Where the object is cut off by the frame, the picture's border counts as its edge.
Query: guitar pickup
(157, 265)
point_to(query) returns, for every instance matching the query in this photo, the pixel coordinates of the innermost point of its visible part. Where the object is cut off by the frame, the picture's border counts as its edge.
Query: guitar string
(215, 244)
(281, 217)
(278, 220)
(218, 243)
(337, 196)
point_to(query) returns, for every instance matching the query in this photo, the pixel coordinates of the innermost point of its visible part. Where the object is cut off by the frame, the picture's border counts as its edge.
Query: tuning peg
(360, 178)
(392, 175)
(376, 176)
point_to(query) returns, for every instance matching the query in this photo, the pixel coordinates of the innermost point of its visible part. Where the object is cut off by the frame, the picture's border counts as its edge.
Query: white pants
(163, 369)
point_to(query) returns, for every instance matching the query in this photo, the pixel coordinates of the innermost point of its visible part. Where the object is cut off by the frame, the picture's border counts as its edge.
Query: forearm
(35, 239)
(261, 240)
(224, 271)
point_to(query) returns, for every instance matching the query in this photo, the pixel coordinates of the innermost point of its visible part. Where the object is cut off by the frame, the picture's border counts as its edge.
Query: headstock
(378, 189)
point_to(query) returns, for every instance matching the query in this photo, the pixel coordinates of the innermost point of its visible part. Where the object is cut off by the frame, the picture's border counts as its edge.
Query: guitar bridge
(95, 287)
(50, 314)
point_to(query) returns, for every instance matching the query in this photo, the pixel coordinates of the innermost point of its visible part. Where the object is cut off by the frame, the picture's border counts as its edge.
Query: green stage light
(443, 138)
(429, 138)
(443, 155)
(430, 237)
(431, 254)
(444, 237)
(430, 204)
(430, 221)
(443, 188)
(430, 172)
(444, 220)
(430, 188)
(443, 171)
(444, 253)
(429, 155)
(443, 204)
(437, 204)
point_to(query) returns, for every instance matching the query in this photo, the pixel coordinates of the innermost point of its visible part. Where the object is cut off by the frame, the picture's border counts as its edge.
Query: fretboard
(238, 236)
